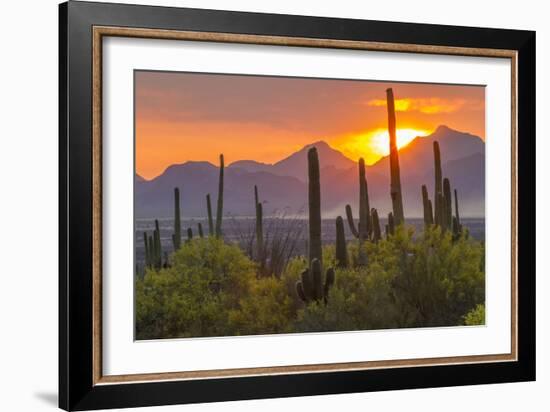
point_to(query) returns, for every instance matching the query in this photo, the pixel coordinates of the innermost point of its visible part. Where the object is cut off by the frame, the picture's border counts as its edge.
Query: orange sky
(187, 116)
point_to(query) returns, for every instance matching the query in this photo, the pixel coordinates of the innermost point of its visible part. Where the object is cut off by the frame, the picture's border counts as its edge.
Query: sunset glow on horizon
(184, 116)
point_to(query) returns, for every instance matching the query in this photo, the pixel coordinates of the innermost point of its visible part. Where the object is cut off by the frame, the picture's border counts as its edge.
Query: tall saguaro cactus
(311, 287)
(428, 217)
(199, 226)
(362, 232)
(219, 211)
(176, 237)
(364, 229)
(147, 250)
(438, 188)
(456, 211)
(341, 247)
(259, 227)
(448, 204)
(157, 246)
(395, 187)
(209, 211)
(391, 224)
(314, 196)
(376, 233)
(364, 207)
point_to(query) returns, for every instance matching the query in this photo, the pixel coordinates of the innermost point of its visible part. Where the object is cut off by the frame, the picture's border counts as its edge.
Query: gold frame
(100, 31)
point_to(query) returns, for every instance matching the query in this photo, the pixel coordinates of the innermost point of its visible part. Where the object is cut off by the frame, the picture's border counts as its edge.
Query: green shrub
(213, 289)
(265, 309)
(193, 297)
(476, 316)
(428, 281)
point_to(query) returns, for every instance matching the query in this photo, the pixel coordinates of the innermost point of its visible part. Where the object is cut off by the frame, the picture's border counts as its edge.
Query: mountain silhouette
(283, 185)
(295, 165)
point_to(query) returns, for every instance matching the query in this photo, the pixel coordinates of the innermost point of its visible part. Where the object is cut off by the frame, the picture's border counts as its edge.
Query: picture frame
(83, 26)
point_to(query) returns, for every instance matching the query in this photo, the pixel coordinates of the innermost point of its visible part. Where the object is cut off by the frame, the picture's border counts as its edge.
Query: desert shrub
(194, 296)
(437, 279)
(266, 309)
(213, 289)
(476, 316)
(427, 281)
(359, 300)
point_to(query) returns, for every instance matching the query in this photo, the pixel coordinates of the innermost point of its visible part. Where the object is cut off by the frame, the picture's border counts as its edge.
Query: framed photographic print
(257, 205)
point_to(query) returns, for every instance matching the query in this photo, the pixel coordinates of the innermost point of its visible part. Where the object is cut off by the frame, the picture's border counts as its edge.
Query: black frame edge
(63, 378)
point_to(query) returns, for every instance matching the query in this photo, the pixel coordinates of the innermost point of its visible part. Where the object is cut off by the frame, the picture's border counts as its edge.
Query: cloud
(432, 105)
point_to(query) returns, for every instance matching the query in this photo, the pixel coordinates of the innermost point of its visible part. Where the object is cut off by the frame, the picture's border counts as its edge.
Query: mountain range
(283, 185)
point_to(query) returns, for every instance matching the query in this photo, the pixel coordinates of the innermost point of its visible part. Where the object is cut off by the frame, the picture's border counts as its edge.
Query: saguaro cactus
(310, 287)
(201, 233)
(151, 244)
(438, 188)
(209, 211)
(176, 236)
(428, 217)
(391, 224)
(364, 207)
(189, 234)
(158, 246)
(457, 214)
(448, 203)
(363, 231)
(376, 233)
(341, 247)
(259, 227)
(395, 187)
(147, 250)
(314, 196)
(219, 211)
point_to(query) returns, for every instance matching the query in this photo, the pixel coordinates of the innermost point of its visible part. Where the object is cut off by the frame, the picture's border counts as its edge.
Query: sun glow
(379, 140)
(374, 144)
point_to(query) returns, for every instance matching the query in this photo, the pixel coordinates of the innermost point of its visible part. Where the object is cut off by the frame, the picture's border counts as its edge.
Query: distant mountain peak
(442, 128)
(320, 144)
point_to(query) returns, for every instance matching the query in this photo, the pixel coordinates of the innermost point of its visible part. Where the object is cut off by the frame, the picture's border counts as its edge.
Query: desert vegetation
(387, 277)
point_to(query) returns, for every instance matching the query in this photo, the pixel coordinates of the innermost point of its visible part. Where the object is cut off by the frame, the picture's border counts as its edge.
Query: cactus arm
(351, 223)
(307, 284)
(300, 291)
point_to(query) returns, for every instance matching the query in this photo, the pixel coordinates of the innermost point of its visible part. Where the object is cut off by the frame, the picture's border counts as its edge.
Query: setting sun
(380, 139)
(374, 144)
